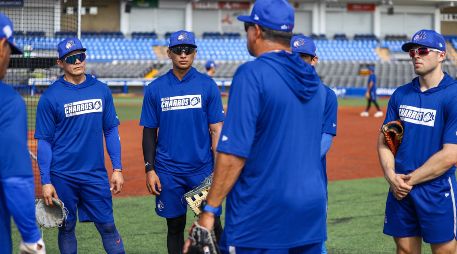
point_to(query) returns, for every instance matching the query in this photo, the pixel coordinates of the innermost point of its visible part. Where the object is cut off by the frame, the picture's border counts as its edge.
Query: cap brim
(15, 50)
(246, 19)
(185, 44)
(407, 46)
(69, 53)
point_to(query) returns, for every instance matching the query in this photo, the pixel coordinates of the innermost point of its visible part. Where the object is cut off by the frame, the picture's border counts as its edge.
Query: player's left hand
(117, 181)
(206, 220)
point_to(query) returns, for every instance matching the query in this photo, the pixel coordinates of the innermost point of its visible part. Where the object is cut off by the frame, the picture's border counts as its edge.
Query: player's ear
(3, 45)
(169, 53)
(59, 62)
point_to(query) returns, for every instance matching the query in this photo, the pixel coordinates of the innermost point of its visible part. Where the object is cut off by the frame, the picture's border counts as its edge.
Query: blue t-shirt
(429, 119)
(274, 121)
(72, 118)
(331, 112)
(14, 155)
(330, 121)
(182, 111)
(372, 91)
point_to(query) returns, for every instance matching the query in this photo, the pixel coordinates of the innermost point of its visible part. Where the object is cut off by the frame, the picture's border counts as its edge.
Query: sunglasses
(421, 51)
(178, 50)
(72, 59)
(247, 25)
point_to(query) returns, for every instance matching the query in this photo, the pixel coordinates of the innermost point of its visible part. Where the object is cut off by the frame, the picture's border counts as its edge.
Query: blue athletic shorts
(429, 211)
(305, 249)
(93, 202)
(5, 224)
(171, 203)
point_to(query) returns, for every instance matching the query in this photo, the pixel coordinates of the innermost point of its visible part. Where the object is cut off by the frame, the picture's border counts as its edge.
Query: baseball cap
(69, 45)
(210, 64)
(370, 67)
(273, 14)
(303, 45)
(426, 38)
(6, 31)
(182, 37)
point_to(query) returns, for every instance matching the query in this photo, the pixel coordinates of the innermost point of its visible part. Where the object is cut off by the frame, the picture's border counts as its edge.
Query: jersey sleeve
(45, 120)
(239, 127)
(215, 109)
(392, 109)
(149, 115)
(110, 119)
(450, 126)
(14, 155)
(330, 113)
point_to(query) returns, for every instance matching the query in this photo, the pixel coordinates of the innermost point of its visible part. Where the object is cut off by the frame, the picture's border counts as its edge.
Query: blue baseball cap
(370, 67)
(273, 14)
(182, 37)
(426, 38)
(6, 31)
(210, 64)
(69, 45)
(303, 45)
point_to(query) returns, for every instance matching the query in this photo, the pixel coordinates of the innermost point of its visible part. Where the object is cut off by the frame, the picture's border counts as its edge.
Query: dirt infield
(353, 153)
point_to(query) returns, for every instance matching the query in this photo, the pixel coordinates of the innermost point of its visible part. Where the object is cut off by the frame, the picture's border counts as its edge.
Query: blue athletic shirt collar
(189, 75)
(90, 80)
(445, 82)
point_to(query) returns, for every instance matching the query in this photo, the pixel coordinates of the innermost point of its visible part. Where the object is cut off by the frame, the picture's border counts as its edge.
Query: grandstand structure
(127, 39)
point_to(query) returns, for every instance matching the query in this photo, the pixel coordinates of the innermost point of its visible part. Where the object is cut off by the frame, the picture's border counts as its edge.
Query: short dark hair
(276, 36)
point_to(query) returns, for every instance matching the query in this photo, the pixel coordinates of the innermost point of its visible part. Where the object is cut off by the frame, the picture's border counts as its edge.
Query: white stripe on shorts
(453, 203)
(232, 249)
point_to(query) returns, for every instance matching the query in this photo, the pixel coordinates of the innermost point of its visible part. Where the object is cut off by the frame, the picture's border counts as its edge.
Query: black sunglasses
(247, 25)
(72, 59)
(178, 50)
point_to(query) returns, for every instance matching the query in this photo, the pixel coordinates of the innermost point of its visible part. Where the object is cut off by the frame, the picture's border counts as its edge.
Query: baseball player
(305, 46)
(17, 191)
(370, 95)
(182, 117)
(72, 117)
(421, 201)
(268, 160)
(210, 67)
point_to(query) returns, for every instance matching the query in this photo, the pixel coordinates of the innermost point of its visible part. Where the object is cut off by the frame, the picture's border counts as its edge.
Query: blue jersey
(429, 119)
(72, 118)
(274, 120)
(372, 78)
(183, 111)
(331, 112)
(14, 155)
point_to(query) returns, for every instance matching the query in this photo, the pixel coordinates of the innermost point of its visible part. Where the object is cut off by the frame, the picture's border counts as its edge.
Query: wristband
(148, 167)
(217, 211)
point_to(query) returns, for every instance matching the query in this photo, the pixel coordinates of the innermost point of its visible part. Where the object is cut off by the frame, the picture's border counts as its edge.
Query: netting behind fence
(38, 26)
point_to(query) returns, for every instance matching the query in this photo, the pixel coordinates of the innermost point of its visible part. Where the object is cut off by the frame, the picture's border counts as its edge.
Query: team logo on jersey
(69, 44)
(83, 107)
(181, 102)
(422, 116)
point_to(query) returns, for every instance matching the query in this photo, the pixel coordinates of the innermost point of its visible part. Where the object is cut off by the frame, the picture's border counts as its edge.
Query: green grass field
(355, 219)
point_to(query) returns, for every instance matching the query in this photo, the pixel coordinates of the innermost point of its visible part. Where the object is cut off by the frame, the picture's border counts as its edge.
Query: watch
(217, 211)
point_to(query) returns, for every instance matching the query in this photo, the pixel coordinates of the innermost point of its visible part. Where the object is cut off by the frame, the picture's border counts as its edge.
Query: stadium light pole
(79, 18)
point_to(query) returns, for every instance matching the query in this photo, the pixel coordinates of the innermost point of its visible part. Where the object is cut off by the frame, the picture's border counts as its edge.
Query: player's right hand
(49, 192)
(153, 183)
(399, 187)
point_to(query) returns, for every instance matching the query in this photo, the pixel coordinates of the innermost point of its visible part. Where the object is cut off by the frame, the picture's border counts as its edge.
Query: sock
(175, 235)
(112, 241)
(67, 238)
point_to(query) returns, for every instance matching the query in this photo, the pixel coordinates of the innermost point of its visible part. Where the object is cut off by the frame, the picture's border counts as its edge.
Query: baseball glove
(203, 240)
(195, 196)
(50, 216)
(393, 134)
